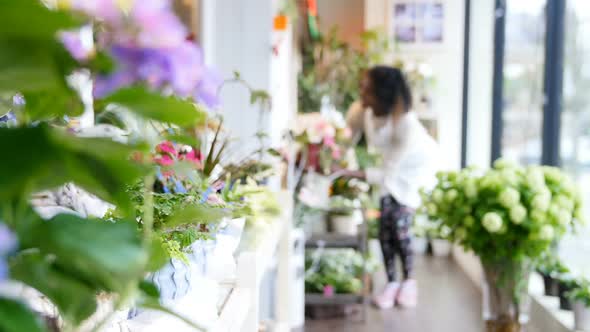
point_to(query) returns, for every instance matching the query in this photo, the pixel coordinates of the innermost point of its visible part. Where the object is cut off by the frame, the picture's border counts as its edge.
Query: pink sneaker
(386, 299)
(408, 294)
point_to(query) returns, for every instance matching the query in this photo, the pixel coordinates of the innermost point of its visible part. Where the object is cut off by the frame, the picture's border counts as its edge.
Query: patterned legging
(394, 235)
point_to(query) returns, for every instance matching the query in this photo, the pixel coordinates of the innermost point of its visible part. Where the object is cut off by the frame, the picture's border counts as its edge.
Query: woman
(409, 159)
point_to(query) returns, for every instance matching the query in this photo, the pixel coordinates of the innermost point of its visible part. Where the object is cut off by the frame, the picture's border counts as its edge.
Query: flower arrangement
(323, 144)
(508, 216)
(508, 213)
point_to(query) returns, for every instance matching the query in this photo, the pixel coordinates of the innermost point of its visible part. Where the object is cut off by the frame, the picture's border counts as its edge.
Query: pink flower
(336, 152)
(164, 160)
(347, 132)
(167, 147)
(328, 291)
(193, 156)
(330, 142)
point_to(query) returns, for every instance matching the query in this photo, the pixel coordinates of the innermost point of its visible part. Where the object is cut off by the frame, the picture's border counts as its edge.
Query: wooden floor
(448, 302)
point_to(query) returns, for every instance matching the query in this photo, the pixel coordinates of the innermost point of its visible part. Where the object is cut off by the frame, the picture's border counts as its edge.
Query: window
(575, 122)
(523, 81)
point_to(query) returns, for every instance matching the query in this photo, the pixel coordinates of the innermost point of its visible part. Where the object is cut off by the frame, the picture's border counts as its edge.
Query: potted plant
(580, 297)
(550, 268)
(441, 246)
(420, 237)
(336, 271)
(565, 284)
(509, 216)
(345, 215)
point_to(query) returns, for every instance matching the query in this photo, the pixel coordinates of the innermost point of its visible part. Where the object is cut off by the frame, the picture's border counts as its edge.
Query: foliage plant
(550, 265)
(581, 292)
(333, 68)
(70, 259)
(341, 269)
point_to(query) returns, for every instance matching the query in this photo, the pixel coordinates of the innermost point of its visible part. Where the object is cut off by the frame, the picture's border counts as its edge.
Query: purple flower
(18, 100)
(80, 48)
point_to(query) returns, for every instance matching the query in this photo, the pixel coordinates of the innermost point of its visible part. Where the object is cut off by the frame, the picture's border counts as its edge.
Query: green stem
(148, 210)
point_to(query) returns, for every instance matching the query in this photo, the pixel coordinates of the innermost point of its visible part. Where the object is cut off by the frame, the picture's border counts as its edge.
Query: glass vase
(506, 303)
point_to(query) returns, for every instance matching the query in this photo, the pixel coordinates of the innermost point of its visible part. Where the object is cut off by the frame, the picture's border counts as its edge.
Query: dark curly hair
(388, 85)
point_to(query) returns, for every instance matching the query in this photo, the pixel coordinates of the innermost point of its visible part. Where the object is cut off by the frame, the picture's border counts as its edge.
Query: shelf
(331, 240)
(320, 299)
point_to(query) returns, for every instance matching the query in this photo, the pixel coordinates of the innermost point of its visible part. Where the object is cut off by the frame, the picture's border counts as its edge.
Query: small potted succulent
(566, 284)
(441, 246)
(580, 297)
(550, 268)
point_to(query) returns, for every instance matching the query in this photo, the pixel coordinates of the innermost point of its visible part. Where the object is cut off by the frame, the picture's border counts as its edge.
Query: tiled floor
(448, 302)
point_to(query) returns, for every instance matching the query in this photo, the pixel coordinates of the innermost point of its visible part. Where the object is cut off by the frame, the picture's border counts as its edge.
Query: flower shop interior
(294, 165)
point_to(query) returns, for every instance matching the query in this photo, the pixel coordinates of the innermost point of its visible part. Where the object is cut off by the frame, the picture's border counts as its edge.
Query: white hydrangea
(432, 209)
(438, 195)
(538, 216)
(564, 202)
(509, 197)
(564, 217)
(546, 233)
(492, 222)
(535, 179)
(518, 214)
(541, 201)
(451, 195)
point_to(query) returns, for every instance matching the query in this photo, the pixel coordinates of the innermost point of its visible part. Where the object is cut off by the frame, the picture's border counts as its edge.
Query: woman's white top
(410, 156)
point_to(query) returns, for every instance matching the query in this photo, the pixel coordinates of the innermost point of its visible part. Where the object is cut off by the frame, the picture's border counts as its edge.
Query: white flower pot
(441, 248)
(581, 316)
(419, 245)
(346, 224)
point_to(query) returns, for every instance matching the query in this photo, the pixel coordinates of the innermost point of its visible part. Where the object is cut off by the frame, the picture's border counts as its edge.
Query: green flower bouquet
(508, 216)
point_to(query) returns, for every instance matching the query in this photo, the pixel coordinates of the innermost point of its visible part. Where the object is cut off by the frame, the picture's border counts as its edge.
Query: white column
(479, 126)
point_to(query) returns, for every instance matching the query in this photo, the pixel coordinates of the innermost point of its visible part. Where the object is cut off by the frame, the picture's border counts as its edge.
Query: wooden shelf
(320, 299)
(331, 240)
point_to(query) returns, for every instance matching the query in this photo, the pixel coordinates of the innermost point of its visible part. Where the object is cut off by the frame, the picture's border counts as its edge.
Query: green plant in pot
(566, 283)
(580, 297)
(551, 268)
(509, 216)
(345, 215)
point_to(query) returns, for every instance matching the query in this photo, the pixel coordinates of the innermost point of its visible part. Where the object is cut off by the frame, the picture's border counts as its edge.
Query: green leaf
(76, 301)
(158, 256)
(106, 256)
(32, 19)
(27, 65)
(149, 289)
(152, 105)
(196, 214)
(53, 103)
(16, 317)
(43, 158)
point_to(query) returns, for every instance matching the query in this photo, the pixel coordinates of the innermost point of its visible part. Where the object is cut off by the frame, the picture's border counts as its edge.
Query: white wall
(238, 36)
(445, 59)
